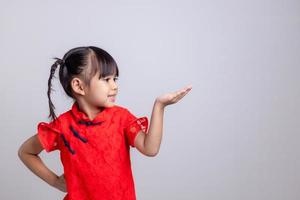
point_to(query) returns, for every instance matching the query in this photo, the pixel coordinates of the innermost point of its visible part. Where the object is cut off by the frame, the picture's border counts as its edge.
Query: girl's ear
(78, 86)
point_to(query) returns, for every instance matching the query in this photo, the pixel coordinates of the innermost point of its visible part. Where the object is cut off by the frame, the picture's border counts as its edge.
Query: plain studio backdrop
(234, 136)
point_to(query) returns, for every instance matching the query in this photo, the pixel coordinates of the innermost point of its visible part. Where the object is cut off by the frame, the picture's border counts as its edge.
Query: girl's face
(102, 92)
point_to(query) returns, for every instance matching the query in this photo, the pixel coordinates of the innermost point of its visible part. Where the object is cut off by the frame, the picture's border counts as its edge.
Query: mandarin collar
(82, 117)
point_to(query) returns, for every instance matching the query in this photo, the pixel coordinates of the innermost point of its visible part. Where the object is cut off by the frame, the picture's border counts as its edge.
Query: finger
(181, 95)
(185, 91)
(189, 87)
(180, 92)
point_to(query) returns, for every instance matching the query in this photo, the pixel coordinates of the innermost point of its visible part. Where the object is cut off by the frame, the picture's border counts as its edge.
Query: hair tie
(59, 61)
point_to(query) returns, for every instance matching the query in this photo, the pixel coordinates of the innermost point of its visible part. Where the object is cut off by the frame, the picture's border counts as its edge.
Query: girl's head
(87, 74)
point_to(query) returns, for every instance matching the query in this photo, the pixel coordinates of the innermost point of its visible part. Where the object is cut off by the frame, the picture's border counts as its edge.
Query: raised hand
(173, 97)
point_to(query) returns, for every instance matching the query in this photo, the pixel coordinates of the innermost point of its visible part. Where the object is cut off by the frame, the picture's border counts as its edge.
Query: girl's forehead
(98, 74)
(111, 75)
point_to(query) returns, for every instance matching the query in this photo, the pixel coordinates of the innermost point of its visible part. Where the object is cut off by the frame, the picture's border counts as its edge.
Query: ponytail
(52, 71)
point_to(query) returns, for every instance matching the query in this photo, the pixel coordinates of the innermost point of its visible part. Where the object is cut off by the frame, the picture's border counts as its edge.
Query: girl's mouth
(112, 98)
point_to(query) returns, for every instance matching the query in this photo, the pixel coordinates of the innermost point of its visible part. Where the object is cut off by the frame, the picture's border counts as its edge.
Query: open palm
(173, 97)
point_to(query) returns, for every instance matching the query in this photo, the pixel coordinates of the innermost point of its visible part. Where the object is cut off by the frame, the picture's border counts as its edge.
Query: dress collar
(82, 118)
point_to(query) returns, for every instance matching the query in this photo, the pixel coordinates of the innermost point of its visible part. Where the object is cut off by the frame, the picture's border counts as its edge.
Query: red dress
(95, 153)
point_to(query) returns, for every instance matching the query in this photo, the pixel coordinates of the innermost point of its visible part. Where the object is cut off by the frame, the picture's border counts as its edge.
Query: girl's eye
(107, 79)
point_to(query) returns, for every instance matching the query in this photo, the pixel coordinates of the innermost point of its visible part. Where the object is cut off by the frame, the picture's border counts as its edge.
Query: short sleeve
(133, 125)
(48, 134)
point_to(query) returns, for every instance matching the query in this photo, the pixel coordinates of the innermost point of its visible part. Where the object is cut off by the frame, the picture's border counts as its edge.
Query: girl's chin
(109, 104)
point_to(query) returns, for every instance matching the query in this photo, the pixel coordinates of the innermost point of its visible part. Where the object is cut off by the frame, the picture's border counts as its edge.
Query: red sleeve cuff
(134, 127)
(48, 136)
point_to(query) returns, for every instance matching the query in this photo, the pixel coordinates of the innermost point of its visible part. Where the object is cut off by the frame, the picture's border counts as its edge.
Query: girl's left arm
(149, 144)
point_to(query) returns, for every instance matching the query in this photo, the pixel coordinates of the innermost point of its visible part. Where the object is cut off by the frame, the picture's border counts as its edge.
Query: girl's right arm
(29, 155)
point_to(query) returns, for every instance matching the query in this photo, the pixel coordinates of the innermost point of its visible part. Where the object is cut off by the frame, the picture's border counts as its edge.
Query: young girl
(95, 135)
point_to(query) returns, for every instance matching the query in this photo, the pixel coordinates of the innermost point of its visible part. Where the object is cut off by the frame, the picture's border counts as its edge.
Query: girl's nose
(114, 85)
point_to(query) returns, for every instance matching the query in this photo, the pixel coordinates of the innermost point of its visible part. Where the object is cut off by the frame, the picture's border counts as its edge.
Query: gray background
(234, 136)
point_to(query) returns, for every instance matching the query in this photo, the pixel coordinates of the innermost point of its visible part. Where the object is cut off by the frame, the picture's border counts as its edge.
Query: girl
(95, 135)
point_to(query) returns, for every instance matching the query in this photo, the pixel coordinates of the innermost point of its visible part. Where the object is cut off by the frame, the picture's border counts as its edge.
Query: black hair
(82, 62)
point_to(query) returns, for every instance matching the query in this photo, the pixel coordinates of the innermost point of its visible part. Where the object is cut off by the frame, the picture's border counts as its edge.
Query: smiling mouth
(112, 97)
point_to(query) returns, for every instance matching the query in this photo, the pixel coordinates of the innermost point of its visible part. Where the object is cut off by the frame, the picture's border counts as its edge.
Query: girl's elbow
(152, 153)
(21, 153)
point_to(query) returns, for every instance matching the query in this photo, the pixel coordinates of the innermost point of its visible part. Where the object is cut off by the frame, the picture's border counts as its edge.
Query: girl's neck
(90, 111)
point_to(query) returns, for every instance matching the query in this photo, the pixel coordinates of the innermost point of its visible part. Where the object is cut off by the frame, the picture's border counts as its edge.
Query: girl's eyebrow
(114, 76)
